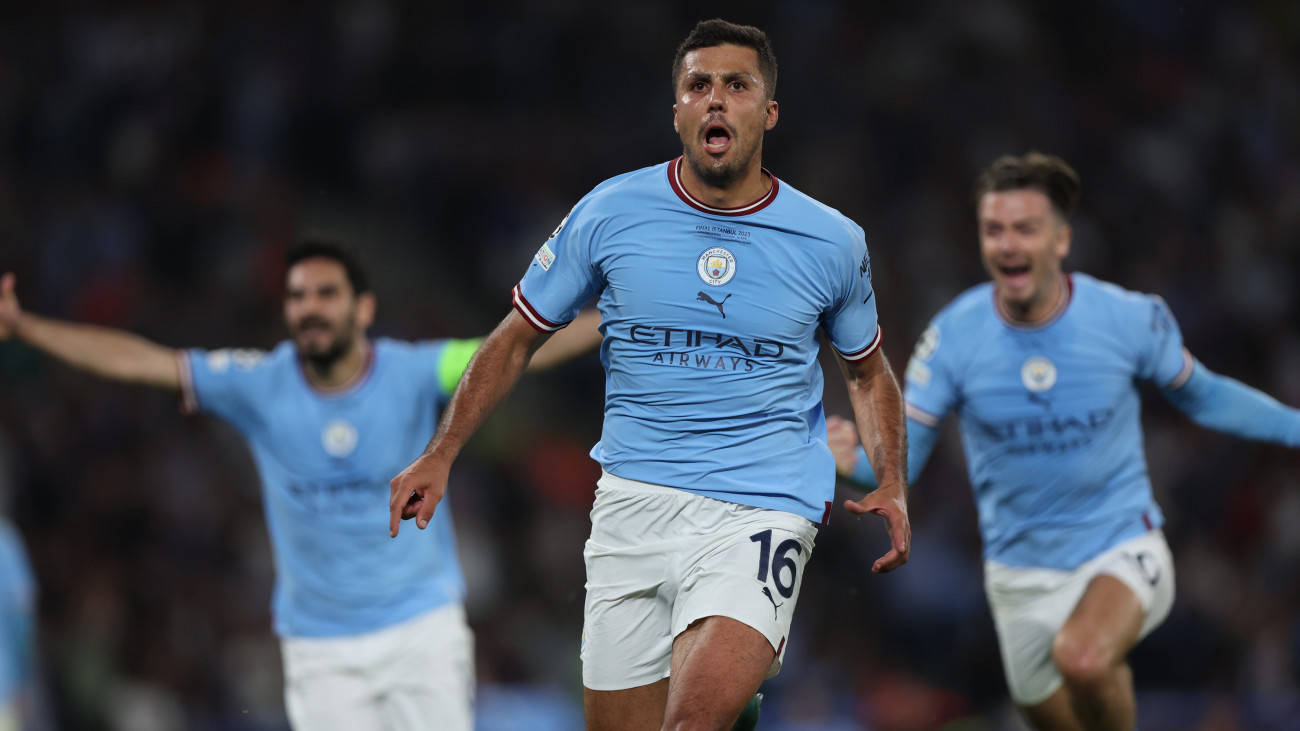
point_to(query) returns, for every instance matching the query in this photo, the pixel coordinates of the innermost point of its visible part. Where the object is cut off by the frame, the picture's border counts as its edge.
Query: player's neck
(343, 373)
(1040, 309)
(750, 186)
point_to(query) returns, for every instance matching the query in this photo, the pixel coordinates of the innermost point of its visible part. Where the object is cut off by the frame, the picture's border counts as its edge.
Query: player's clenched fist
(416, 492)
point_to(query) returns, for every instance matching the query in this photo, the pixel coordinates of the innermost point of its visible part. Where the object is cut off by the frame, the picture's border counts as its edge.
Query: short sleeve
(562, 276)
(930, 390)
(1162, 359)
(227, 383)
(852, 323)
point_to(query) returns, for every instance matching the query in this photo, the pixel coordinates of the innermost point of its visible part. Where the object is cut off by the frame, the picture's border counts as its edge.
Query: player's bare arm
(581, 336)
(878, 406)
(487, 380)
(101, 351)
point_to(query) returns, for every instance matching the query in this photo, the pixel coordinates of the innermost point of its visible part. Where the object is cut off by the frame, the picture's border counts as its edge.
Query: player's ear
(772, 112)
(675, 118)
(1063, 238)
(366, 306)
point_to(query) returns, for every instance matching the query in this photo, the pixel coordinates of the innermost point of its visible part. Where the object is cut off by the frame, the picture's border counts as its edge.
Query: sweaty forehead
(727, 59)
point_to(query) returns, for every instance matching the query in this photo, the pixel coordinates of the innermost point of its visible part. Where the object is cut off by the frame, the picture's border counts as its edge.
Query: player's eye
(737, 86)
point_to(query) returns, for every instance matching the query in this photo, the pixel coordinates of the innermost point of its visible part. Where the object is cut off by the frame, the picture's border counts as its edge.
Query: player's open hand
(891, 504)
(9, 309)
(842, 438)
(417, 491)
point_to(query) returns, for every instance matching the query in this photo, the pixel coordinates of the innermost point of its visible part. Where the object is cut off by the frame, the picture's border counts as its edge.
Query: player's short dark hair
(341, 253)
(1035, 171)
(718, 32)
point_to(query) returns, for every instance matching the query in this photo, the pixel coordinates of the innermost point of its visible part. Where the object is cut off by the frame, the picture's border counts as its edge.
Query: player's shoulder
(817, 214)
(968, 309)
(637, 183)
(1108, 297)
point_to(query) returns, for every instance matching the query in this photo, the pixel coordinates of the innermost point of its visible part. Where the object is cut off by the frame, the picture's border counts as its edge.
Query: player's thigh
(631, 709)
(1129, 594)
(1029, 607)
(426, 674)
(637, 531)
(718, 665)
(325, 688)
(749, 568)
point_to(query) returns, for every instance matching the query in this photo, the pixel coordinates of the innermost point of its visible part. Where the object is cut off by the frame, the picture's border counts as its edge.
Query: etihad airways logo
(676, 346)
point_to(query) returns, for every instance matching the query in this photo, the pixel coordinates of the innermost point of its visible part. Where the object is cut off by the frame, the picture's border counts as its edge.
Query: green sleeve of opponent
(455, 359)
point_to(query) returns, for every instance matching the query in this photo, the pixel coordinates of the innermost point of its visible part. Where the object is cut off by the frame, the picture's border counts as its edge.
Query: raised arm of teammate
(852, 463)
(104, 352)
(490, 376)
(1223, 404)
(878, 406)
(579, 337)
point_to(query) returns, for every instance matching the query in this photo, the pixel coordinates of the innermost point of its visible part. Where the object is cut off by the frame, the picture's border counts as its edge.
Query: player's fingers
(396, 505)
(900, 535)
(855, 507)
(424, 513)
(888, 562)
(6, 284)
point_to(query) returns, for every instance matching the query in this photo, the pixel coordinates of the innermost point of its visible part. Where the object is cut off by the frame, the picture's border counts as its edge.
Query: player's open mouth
(1014, 271)
(717, 138)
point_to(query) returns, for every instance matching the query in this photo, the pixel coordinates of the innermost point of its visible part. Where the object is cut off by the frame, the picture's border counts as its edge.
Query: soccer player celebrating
(713, 278)
(1041, 368)
(373, 630)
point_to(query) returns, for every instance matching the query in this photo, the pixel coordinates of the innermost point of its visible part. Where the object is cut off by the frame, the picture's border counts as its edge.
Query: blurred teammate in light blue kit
(1041, 369)
(373, 631)
(17, 631)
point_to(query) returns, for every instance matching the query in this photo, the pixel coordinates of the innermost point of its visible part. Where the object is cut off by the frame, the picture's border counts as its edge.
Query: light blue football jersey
(1050, 416)
(325, 460)
(17, 614)
(710, 318)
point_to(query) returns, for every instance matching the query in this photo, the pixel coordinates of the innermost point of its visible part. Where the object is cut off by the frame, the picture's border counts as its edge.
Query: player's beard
(323, 359)
(708, 169)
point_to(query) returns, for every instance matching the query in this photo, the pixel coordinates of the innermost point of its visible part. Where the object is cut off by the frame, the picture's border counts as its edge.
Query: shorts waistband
(614, 482)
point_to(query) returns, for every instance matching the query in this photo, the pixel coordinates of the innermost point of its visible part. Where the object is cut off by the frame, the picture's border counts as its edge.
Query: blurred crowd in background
(157, 158)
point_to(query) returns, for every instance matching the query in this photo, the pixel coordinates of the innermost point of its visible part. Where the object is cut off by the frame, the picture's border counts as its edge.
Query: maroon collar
(675, 180)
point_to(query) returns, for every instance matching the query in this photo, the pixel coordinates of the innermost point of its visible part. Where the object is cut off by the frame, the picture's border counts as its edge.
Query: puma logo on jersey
(702, 297)
(768, 593)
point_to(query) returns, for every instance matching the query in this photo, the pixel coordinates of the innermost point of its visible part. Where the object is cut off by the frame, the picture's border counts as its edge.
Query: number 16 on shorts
(779, 565)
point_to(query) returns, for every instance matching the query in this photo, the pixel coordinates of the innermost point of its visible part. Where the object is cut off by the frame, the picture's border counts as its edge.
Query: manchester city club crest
(1038, 374)
(339, 438)
(716, 266)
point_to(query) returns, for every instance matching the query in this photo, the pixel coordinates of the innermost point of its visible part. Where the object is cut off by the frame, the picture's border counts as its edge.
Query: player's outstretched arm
(878, 407)
(576, 339)
(1230, 406)
(488, 378)
(852, 462)
(104, 352)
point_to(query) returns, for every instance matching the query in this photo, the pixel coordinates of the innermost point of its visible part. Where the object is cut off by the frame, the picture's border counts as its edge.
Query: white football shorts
(1030, 605)
(417, 674)
(660, 558)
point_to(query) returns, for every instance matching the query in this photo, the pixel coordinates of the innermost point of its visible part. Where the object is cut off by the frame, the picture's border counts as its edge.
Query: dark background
(156, 159)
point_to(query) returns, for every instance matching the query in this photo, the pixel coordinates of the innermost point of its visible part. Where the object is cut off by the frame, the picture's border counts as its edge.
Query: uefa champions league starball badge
(716, 266)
